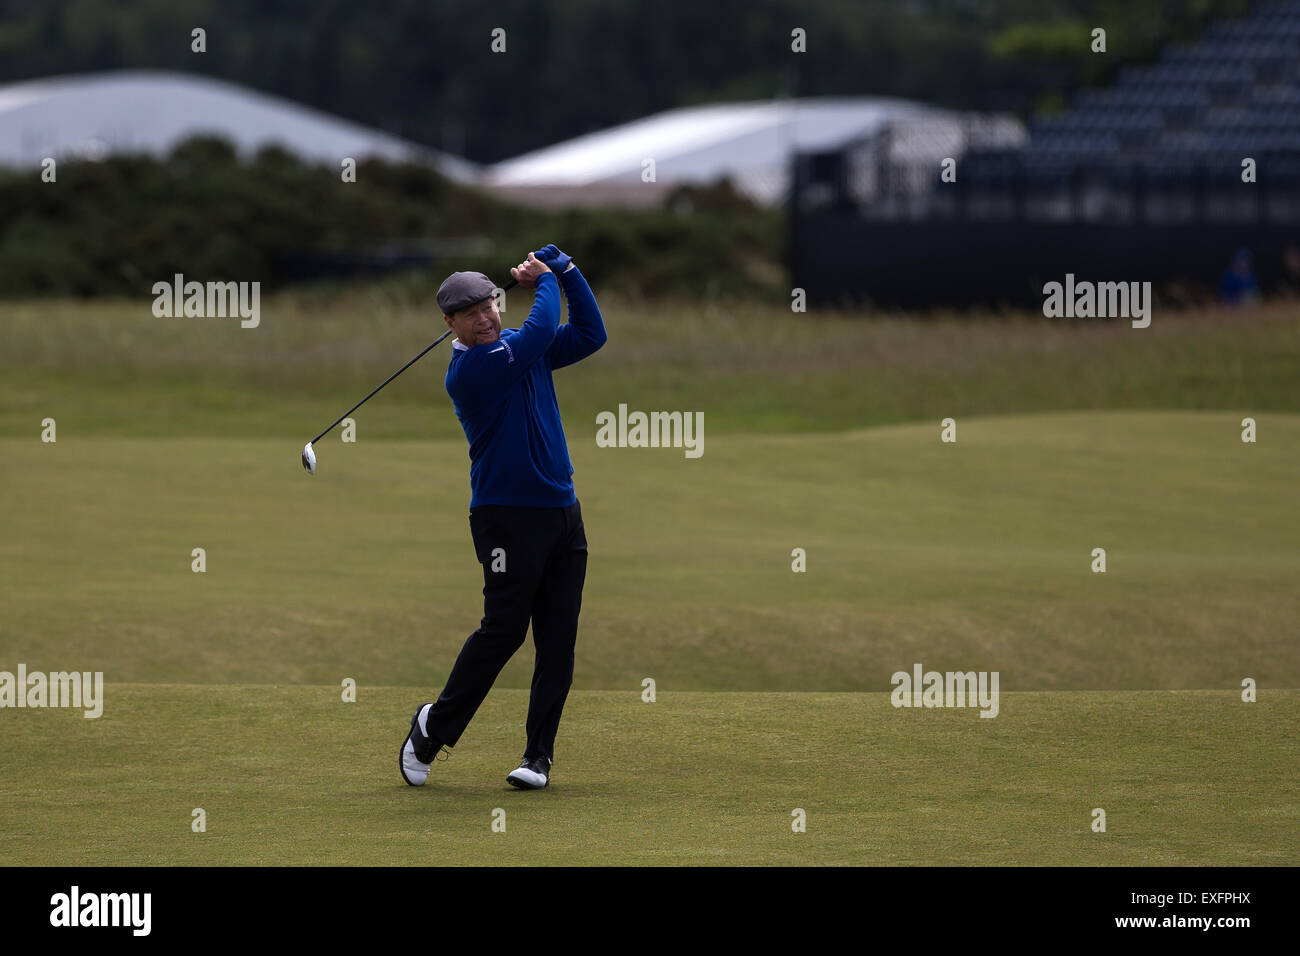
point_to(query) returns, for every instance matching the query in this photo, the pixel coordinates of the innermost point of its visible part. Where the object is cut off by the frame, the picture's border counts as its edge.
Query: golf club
(309, 454)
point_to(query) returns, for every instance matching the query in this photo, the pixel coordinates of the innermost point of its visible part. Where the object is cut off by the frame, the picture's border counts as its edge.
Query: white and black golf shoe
(418, 750)
(533, 774)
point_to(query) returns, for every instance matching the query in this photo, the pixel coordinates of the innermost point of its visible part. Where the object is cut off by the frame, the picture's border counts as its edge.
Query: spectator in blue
(1239, 286)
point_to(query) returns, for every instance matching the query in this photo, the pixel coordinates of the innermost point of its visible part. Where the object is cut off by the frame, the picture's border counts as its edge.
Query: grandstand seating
(1187, 120)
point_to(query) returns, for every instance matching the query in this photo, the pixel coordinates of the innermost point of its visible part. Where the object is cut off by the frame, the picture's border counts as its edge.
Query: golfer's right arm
(486, 369)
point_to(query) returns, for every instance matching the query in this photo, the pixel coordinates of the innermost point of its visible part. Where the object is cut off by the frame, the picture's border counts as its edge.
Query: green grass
(1185, 778)
(976, 554)
(113, 369)
(1120, 690)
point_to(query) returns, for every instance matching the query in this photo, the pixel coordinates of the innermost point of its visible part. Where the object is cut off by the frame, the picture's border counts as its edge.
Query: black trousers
(534, 566)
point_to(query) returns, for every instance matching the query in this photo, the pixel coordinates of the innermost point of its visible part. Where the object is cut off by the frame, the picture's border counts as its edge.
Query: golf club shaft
(509, 284)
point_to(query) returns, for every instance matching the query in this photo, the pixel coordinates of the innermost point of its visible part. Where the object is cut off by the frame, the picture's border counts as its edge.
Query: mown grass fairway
(1120, 690)
(291, 775)
(976, 553)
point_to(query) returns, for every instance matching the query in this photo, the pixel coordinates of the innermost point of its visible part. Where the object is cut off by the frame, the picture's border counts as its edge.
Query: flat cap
(462, 289)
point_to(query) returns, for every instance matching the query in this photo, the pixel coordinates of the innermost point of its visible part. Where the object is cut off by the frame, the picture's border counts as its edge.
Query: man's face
(478, 324)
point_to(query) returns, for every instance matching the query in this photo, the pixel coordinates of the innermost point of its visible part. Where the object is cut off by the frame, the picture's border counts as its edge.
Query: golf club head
(309, 459)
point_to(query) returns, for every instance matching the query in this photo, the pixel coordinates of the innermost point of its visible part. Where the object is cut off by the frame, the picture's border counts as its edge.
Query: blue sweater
(506, 402)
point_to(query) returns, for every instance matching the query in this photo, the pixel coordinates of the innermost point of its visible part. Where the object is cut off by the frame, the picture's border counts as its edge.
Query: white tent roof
(143, 111)
(751, 142)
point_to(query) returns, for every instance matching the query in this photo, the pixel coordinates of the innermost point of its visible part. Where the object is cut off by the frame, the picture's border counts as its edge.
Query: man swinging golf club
(524, 515)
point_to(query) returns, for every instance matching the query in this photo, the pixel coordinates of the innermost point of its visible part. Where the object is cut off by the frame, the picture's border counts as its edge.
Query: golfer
(523, 515)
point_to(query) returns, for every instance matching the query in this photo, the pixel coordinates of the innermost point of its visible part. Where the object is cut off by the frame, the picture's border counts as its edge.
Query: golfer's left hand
(554, 258)
(528, 271)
